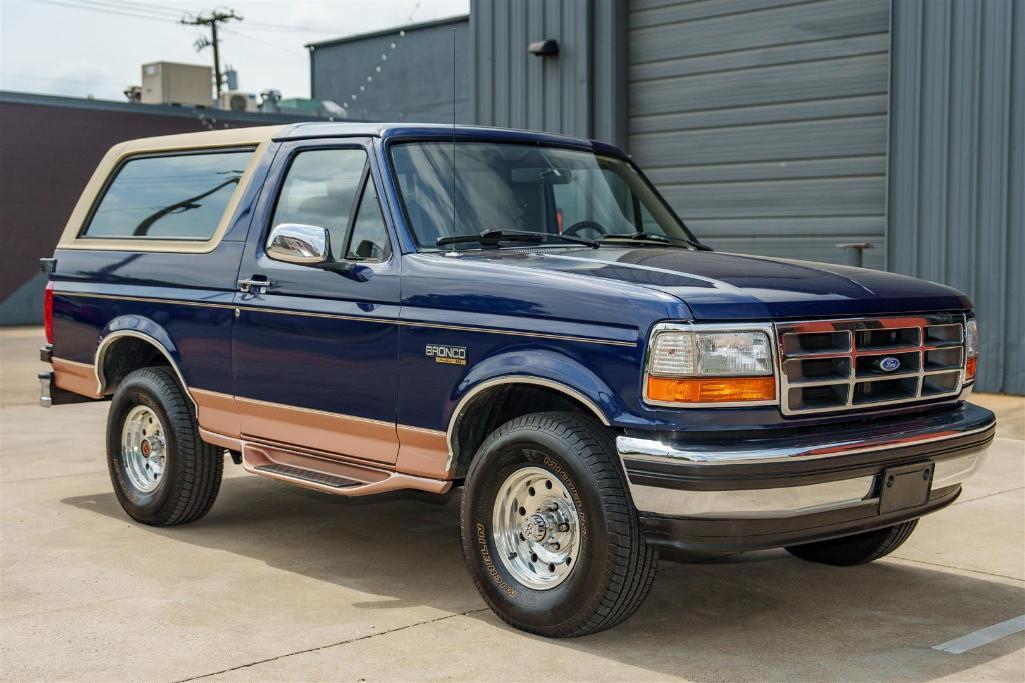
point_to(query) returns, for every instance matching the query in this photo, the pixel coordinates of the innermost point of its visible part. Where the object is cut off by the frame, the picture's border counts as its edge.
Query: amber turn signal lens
(969, 368)
(711, 390)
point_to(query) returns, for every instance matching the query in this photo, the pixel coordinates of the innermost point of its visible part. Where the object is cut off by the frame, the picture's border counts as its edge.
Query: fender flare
(539, 368)
(137, 327)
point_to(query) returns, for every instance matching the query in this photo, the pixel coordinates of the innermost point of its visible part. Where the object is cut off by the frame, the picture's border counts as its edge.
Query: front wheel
(550, 534)
(848, 551)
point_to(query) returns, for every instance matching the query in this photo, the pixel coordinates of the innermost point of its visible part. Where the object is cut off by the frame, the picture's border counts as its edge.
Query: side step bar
(309, 476)
(329, 474)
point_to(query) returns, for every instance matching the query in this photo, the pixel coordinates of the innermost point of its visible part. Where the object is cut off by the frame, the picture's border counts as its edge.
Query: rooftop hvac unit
(236, 100)
(169, 83)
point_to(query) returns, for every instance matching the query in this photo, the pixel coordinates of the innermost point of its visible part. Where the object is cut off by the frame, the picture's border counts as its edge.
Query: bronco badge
(453, 355)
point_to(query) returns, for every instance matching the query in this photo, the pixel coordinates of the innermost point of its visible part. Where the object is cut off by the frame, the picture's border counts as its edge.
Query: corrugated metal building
(787, 127)
(401, 74)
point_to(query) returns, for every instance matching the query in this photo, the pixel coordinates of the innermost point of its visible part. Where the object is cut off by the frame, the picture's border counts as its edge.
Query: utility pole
(212, 20)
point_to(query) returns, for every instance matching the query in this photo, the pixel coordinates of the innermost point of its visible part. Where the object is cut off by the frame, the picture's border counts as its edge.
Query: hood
(722, 286)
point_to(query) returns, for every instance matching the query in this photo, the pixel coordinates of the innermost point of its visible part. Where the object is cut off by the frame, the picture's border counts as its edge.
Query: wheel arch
(498, 389)
(132, 333)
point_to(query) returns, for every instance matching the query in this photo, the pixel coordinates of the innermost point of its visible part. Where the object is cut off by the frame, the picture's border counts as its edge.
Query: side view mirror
(306, 245)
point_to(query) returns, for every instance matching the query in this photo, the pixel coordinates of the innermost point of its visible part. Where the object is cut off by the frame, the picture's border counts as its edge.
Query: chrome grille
(833, 365)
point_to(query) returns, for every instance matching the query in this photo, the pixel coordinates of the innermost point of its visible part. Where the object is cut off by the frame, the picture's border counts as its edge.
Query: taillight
(48, 312)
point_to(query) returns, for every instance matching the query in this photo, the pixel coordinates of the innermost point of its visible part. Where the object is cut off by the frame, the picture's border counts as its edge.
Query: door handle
(255, 285)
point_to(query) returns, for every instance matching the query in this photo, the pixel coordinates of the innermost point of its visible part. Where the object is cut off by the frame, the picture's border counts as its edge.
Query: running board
(308, 476)
(329, 474)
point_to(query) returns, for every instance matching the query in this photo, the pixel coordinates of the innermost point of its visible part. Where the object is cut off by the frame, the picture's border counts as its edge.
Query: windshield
(514, 187)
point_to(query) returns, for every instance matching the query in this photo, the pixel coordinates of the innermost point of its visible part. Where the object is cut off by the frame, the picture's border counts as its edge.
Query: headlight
(713, 366)
(971, 349)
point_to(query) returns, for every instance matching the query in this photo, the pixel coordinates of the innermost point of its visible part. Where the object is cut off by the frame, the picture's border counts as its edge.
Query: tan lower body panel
(230, 422)
(422, 452)
(318, 430)
(232, 443)
(217, 412)
(79, 378)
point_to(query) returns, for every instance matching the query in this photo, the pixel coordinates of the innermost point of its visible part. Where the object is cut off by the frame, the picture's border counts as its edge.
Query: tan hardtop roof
(230, 137)
(319, 129)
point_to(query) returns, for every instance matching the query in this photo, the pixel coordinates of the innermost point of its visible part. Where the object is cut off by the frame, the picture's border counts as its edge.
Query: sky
(82, 48)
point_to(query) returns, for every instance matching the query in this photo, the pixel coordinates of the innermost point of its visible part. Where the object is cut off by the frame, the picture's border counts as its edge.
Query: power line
(96, 8)
(143, 8)
(166, 13)
(169, 14)
(295, 53)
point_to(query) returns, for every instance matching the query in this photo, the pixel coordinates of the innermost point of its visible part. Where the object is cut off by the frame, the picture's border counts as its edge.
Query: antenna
(452, 189)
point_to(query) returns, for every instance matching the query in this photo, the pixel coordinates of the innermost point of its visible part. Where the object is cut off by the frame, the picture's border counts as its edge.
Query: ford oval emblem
(889, 364)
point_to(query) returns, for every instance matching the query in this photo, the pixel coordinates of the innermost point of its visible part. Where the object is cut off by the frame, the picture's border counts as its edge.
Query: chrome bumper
(798, 476)
(790, 501)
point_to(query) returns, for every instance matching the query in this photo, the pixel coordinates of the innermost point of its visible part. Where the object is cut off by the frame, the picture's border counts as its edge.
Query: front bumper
(715, 493)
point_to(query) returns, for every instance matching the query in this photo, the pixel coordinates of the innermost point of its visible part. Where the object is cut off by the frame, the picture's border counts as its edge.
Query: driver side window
(320, 190)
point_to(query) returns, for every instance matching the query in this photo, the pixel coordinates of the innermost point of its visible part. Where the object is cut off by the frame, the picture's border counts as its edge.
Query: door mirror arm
(340, 267)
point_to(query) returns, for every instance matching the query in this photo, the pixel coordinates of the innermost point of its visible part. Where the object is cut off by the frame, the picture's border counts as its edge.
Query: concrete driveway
(282, 583)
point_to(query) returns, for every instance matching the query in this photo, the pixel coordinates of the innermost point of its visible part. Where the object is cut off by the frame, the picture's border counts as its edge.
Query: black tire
(192, 469)
(848, 551)
(614, 567)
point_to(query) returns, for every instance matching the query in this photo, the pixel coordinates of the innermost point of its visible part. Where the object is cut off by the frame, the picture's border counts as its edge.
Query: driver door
(314, 353)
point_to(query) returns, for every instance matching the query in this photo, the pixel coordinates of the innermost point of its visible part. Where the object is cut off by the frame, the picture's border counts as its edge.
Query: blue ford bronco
(363, 308)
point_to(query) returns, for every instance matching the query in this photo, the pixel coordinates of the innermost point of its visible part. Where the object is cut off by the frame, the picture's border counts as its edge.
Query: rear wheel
(163, 473)
(549, 532)
(847, 551)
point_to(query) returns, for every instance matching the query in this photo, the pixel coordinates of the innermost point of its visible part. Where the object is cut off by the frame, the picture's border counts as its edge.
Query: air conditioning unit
(236, 100)
(180, 84)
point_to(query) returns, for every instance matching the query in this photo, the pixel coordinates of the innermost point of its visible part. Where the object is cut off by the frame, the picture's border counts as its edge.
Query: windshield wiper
(641, 236)
(491, 238)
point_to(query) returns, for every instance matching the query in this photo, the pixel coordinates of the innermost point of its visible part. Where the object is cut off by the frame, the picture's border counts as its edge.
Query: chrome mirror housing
(307, 245)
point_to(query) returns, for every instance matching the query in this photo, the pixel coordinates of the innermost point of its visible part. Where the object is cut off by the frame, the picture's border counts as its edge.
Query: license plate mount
(905, 487)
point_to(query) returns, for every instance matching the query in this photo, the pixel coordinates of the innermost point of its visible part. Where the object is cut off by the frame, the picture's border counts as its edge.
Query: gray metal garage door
(764, 121)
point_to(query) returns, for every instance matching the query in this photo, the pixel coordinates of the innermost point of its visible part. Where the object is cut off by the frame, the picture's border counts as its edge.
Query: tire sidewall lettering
(483, 545)
(556, 468)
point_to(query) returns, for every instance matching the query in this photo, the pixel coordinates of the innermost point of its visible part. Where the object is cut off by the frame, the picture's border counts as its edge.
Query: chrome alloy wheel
(536, 530)
(143, 449)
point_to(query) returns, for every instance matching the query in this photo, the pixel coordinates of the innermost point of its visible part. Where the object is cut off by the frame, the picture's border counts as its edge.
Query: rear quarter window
(172, 196)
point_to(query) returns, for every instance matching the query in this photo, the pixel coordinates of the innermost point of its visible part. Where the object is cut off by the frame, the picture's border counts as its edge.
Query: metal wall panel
(577, 92)
(764, 122)
(957, 184)
(419, 80)
(516, 89)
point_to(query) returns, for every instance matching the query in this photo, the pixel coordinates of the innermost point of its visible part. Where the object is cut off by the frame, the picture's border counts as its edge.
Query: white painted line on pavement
(983, 636)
